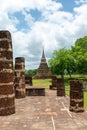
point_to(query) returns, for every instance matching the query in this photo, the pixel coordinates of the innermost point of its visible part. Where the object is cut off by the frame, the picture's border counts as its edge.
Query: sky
(38, 24)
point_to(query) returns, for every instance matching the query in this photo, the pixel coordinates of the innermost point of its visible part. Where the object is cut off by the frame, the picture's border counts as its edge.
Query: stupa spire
(43, 54)
(43, 59)
(43, 70)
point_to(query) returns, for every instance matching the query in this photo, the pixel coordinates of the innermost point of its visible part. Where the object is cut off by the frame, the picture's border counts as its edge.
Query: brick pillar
(28, 80)
(60, 87)
(7, 103)
(54, 82)
(20, 91)
(76, 96)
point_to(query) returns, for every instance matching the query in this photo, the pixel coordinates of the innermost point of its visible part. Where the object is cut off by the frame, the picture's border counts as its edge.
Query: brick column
(7, 104)
(54, 83)
(76, 96)
(20, 91)
(60, 87)
(28, 80)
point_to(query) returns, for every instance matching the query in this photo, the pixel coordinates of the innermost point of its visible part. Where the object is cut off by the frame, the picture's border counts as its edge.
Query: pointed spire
(43, 59)
(43, 54)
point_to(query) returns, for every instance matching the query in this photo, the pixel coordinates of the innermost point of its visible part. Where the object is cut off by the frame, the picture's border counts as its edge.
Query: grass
(42, 82)
(85, 99)
(46, 82)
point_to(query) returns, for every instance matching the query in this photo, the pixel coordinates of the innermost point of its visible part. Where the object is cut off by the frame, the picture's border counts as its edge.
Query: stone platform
(35, 91)
(50, 112)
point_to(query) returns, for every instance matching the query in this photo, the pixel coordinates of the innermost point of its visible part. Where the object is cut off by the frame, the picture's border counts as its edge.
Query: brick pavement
(48, 112)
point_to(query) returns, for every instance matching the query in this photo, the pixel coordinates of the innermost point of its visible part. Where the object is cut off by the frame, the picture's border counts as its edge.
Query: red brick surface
(6, 102)
(7, 105)
(76, 96)
(19, 82)
(60, 87)
(6, 65)
(5, 34)
(6, 89)
(28, 80)
(44, 113)
(6, 77)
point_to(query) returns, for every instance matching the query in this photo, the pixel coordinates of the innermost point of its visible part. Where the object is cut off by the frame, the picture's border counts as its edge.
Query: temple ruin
(43, 70)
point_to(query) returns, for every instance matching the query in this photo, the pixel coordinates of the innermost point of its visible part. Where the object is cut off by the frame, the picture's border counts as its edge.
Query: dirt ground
(48, 112)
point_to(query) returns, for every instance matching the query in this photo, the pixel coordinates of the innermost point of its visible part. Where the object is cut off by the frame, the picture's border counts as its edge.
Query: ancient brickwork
(54, 83)
(60, 87)
(7, 103)
(35, 91)
(43, 71)
(28, 80)
(76, 96)
(20, 91)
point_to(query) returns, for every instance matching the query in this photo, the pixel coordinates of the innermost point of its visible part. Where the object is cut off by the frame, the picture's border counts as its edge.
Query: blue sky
(68, 5)
(22, 23)
(34, 24)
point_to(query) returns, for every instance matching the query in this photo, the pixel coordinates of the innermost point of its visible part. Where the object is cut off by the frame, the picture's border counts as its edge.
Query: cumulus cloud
(53, 29)
(80, 2)
(28, 18)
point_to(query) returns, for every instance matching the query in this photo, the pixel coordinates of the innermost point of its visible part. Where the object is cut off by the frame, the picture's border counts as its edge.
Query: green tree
(70, 63)
(30, 72)
(80, 55)
(57, 62)
(62, 62)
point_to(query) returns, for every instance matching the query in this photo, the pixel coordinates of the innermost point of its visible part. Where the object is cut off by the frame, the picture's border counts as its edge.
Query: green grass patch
(42, 82)
(67, 92)
(85, 99)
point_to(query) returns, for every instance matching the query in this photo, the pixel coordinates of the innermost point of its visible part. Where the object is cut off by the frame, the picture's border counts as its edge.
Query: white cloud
(6, 22)
(28, 18)
(17, 5)
(80, 2)
(80, 20)
(54, 29)
(20, 41)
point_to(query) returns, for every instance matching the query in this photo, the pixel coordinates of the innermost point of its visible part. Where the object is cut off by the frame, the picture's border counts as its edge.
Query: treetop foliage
(70, 61)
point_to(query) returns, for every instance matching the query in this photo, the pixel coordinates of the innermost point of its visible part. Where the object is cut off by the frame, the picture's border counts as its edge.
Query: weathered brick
(76, 96)
(60, 87)
(19, 81)
(7, 104)
(28, 80)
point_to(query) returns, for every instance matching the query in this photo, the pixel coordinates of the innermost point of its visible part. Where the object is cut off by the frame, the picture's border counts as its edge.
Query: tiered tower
(43, 70)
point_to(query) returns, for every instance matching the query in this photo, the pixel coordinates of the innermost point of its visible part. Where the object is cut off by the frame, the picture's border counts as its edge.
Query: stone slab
(35, 91)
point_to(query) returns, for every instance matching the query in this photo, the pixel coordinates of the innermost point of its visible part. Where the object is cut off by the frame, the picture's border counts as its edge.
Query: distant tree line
(30, 72)
(70, 61)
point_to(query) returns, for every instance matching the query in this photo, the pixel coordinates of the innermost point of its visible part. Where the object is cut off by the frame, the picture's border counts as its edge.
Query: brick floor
(48, 112)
